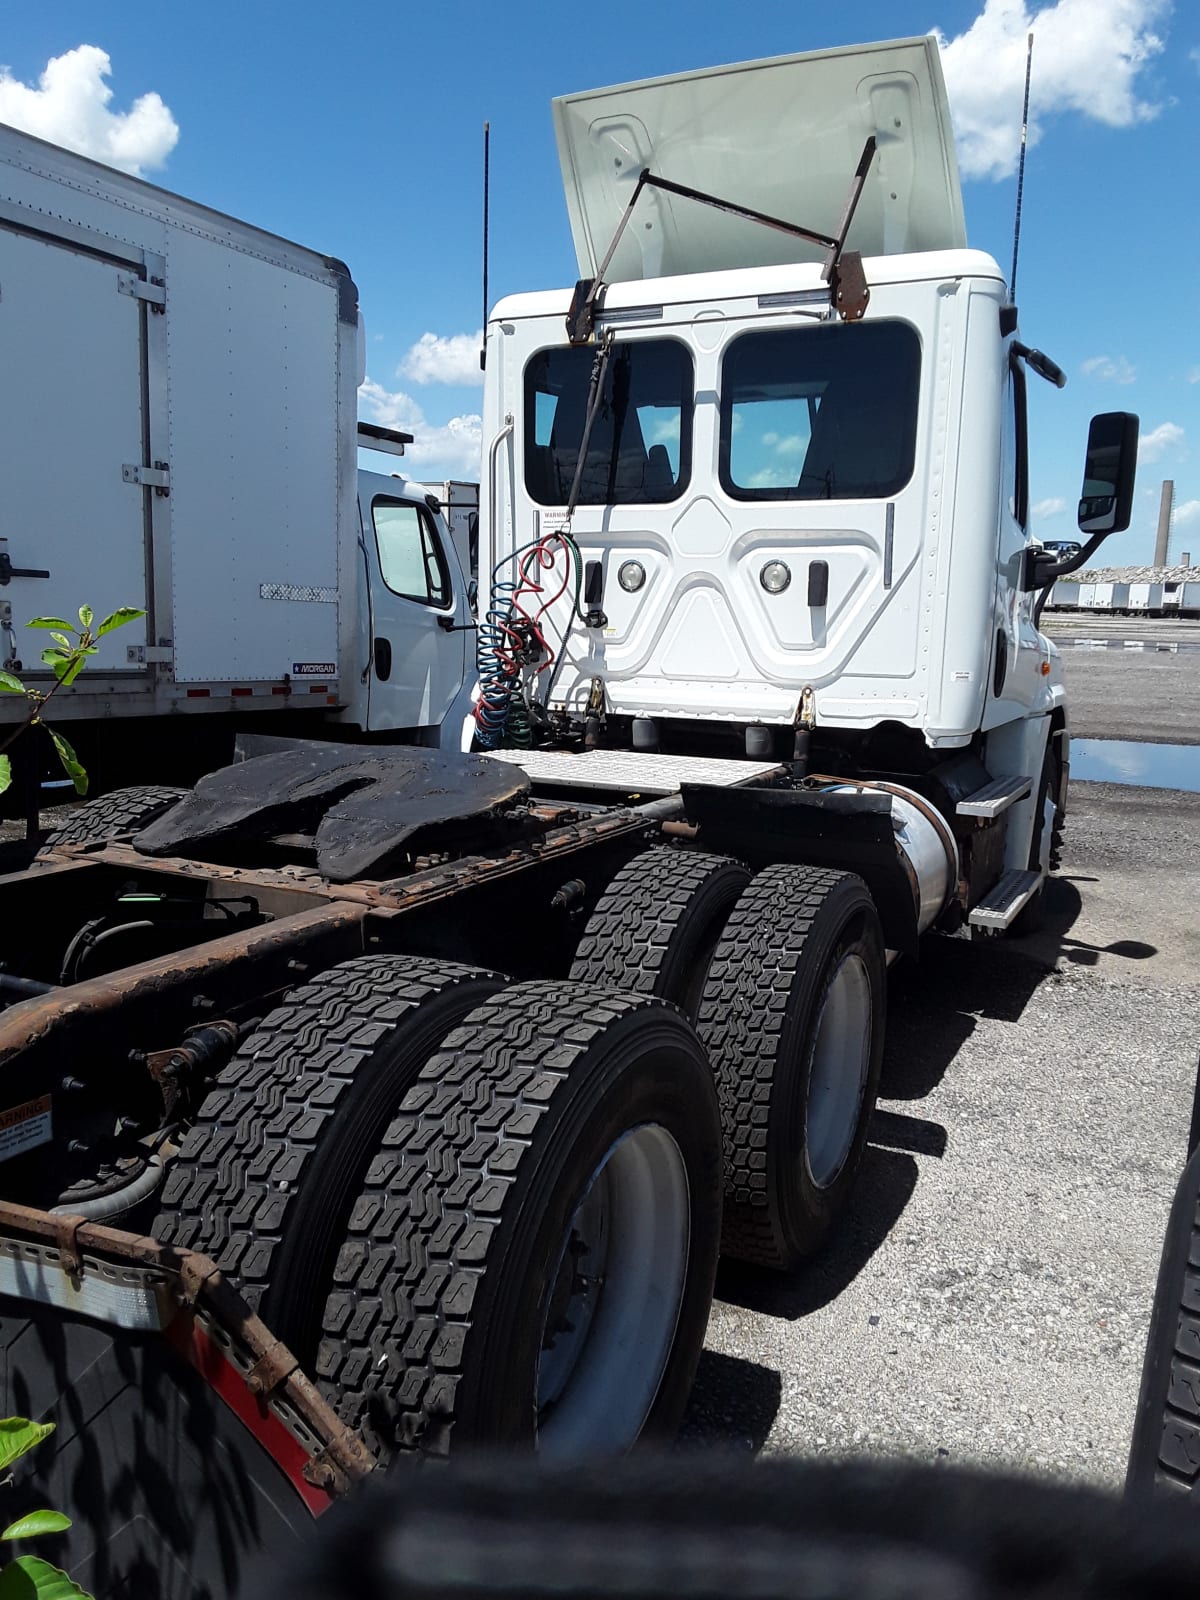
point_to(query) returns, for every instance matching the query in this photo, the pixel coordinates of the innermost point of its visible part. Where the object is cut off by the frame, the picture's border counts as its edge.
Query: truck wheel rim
(614, 1303)
(841, 1052)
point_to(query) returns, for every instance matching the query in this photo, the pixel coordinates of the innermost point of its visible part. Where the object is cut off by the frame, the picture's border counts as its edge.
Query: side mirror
(1106, 499)
(473, 596)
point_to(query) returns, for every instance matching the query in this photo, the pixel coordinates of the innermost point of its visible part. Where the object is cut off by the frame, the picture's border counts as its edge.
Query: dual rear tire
(785, 976)
(490, 1215)
(487, 1215)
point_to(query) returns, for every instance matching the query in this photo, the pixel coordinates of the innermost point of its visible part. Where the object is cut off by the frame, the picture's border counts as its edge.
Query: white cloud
(1053, 507)
(1194, 375)
(444, 360)
(1109, 371)
(440, 450)
(1186, 514)
(70, 107)
(1087, 57)
(1153, 446)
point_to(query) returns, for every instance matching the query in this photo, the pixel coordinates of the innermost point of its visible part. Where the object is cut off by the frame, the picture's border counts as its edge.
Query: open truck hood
(781, 136)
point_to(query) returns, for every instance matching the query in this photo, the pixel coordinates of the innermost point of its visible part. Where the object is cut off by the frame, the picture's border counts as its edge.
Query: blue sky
(358, 131)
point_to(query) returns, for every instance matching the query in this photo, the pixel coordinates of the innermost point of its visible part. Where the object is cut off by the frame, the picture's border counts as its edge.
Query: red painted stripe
(210, 1361)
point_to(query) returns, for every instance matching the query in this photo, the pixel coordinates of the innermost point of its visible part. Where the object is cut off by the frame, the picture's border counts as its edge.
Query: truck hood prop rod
(850, 296)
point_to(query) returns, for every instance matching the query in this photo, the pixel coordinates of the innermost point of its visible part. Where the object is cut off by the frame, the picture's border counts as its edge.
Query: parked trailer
(1064, 596)
(1103, 596)
(463, 1068)
(1146, 597)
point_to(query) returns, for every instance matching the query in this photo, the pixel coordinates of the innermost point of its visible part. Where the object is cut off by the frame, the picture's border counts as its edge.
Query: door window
(640, 450)
(410, 555)
(820, 413)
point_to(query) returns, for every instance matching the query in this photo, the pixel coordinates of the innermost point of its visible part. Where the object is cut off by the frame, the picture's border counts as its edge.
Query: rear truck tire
(530, 1264)
(656, 926)
(1045, 845)
(793, 1021)
(112, 816)
(266, 1177)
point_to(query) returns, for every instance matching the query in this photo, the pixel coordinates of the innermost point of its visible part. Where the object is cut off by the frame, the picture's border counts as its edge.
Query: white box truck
(458, 502)
(210, 372)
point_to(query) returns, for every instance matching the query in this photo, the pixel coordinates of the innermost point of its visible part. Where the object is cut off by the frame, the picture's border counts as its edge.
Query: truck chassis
(438, 1091)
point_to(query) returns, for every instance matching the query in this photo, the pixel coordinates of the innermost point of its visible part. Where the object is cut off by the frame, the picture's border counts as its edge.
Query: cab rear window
(820, 413)
(640, 447)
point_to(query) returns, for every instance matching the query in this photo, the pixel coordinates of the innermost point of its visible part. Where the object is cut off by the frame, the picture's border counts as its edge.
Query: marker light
(775, 577)
(631, 576)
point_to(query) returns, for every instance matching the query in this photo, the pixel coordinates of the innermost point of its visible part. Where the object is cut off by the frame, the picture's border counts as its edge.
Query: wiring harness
(513, 649)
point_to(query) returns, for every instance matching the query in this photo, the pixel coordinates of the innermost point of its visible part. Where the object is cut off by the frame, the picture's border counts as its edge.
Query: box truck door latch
(150, 290)
(8, 572)
(157, 477)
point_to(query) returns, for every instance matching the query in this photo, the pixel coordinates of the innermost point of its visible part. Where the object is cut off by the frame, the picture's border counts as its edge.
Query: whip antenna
(1012, 285)
(487, 139)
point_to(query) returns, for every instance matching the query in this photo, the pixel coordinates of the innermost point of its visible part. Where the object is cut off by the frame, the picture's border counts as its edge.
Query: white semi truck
(760, 487)
(391, 1103)
(178, 433)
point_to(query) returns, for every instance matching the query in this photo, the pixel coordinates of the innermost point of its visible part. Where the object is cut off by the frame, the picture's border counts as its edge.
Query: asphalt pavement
(988, 1295)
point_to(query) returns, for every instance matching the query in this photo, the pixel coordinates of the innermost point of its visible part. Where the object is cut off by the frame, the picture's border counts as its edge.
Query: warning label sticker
(24, 1127)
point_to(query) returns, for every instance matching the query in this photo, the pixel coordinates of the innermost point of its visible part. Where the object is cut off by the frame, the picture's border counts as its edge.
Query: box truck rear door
(70, 422)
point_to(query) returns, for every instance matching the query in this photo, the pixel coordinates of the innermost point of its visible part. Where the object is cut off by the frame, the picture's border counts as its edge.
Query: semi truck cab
(763, 470)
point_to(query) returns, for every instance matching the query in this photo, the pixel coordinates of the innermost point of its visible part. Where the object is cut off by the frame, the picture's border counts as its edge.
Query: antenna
(487, 140)
(1012, 282)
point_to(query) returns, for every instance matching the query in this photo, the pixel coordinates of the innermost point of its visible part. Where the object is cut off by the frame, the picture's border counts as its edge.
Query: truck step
(994, 797)
(1000, 907)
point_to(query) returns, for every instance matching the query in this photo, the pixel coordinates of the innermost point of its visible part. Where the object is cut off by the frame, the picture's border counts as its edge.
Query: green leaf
(11, 685)
(85, 616)
(53, 653)
(71, 670)
(118, 619)
(31, 1578)
(35, 1523)
(61, 638)
(51, 622)
(5, 773)
(70, 762)
(18, 1436)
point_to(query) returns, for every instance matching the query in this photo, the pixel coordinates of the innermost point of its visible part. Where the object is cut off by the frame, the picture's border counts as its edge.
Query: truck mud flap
(815, 828)
(186, 1441)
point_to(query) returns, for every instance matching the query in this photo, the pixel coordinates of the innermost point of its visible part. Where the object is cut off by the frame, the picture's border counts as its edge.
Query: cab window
(640, 449)
(820, 413)
(410, 554)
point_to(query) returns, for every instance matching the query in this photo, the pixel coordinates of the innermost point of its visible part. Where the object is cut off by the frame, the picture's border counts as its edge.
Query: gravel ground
(1148, 694)
(988, 1296)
